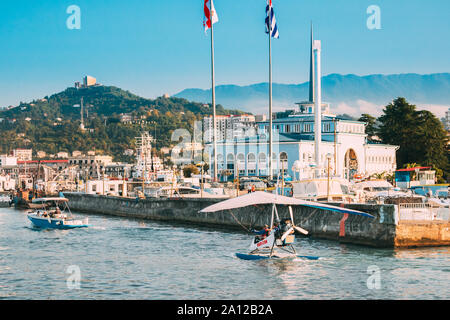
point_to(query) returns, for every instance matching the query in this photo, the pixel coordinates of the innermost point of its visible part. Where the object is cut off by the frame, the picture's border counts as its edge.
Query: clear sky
(154, 47)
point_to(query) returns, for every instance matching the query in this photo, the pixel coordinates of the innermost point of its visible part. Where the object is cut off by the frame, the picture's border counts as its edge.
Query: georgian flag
(271, 22)
(210, 14)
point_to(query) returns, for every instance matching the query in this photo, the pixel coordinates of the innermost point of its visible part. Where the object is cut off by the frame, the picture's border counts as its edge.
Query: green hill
(52, 124)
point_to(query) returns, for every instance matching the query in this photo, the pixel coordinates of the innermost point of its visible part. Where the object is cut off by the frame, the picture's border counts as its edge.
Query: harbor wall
(381, 231)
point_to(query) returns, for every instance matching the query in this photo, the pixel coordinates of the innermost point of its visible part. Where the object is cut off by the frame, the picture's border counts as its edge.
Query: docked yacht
(185, 192)
(377, 190)
(323, 189)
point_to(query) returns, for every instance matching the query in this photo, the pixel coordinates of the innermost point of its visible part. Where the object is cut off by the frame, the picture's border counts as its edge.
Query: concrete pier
(383, 231)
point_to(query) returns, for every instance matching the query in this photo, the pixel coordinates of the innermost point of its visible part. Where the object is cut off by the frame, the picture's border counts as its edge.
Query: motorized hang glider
(272, 247)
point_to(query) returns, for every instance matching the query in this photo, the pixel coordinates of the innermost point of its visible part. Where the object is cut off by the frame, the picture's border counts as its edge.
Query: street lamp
(329, 156)
(201, 177)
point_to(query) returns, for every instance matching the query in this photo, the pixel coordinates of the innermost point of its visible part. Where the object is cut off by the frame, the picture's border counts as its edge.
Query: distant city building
(23, 154)
(126, 118)
(447, 120)
(89, 81)
(91, 164)
(228, 126)
(128, 152)
(91, 153)
(260, 117)
(6, 160)
(76, 153)
(6, 183)
(119, 170)
(41, 154)
(62, 155)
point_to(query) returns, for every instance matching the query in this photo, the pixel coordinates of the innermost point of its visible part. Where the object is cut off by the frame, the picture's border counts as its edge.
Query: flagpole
(270, 101)
(213, 98)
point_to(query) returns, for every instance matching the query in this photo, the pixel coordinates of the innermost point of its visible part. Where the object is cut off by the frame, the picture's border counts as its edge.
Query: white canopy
(260, 197)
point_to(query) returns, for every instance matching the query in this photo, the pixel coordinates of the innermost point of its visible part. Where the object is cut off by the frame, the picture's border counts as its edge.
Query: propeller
(291, 230)
(301, 230)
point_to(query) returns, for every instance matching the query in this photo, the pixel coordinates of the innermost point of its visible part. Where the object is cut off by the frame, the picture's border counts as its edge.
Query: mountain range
(350, 93)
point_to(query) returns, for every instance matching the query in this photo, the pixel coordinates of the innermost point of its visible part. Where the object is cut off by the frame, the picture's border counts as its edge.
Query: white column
(317, 106)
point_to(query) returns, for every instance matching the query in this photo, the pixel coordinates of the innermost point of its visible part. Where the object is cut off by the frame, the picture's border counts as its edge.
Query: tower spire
(311, 69)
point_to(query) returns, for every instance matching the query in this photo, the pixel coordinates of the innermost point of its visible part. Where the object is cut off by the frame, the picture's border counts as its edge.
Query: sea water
(119, 258)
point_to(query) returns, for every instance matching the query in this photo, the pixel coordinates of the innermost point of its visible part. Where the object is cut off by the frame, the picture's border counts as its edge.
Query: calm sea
(121, 258)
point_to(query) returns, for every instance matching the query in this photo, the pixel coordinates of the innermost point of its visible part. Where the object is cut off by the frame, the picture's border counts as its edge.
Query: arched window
(230, 158)
(219, 158)
(251, 158)
(262, 159)
(240, 157)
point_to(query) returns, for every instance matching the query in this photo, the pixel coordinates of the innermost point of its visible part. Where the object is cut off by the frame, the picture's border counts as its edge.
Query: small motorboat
(50, 215)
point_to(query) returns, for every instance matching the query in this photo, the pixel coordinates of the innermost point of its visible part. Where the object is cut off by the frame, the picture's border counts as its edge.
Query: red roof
(414, 169)
(43, 161)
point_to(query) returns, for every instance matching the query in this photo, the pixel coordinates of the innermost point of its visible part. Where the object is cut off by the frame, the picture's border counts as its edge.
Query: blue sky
(154, 47)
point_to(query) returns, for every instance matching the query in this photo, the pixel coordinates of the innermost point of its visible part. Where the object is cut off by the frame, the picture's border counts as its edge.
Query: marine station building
(344, 150)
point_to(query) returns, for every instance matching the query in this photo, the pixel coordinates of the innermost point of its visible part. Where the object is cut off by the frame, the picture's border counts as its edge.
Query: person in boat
(286, 224)
(262, 234)
(57, 212)
(276, 229)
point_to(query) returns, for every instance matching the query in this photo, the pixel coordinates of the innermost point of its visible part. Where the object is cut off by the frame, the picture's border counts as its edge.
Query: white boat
(185, 192)
(377, 190)
(51, 216)
(4, 201)
(323, 189)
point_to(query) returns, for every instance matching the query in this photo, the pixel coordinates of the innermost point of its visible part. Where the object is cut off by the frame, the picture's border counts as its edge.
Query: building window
(262, 159)
(287, 128)
(307, 127)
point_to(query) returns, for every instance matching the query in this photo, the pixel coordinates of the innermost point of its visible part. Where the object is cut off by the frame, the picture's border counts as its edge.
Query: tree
(419, 134)
(189, 170)
(371, 127)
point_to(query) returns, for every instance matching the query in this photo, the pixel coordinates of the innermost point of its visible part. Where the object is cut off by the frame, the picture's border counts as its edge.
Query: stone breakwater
(383, 231)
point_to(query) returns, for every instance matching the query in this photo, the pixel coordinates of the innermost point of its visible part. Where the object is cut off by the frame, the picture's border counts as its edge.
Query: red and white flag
(210, 14)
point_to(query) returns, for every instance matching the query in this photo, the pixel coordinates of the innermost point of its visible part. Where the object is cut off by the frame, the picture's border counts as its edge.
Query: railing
(422, 211)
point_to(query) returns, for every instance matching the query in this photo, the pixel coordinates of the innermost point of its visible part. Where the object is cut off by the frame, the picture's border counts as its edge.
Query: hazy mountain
(347, 93)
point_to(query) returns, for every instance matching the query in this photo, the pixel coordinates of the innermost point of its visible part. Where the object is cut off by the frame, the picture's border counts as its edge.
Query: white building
(447, 120)
(7, 184)
(339, 147)
(106, 187)
(6, 160)
(62, 155)
(89, 81)
(23, 154)
(228, 126)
